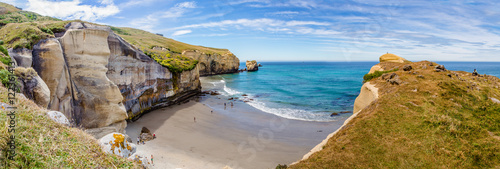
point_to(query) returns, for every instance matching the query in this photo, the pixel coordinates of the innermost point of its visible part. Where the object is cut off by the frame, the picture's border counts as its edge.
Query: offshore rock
(252, 65)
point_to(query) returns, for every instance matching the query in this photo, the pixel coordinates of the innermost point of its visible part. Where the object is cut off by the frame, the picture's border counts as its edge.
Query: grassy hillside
(166, 51)
(42, 143)
(432, 120)
(11, 14)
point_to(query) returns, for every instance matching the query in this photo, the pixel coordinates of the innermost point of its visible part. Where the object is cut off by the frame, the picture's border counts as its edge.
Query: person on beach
(152, 159)
(194, 119)
(138, 140)
(231, 104)
(224, 106)
(474, 73)
(154, 136)
(211, 112)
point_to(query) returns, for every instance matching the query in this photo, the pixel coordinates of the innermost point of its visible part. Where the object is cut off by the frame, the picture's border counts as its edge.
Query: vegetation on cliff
(165, 51)
(376, 74)
(43, 143)
(433, 119)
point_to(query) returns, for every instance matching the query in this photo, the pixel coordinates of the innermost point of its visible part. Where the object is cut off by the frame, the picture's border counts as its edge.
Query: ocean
(309, 91)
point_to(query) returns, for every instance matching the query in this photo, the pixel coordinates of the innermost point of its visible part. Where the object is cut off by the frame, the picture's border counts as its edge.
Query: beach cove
(238, 137)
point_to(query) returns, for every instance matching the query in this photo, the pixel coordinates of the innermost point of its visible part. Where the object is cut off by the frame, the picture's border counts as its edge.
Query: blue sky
(297, 30)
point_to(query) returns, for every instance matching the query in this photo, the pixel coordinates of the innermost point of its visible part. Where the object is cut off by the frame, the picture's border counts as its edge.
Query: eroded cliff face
(212, 64)
(145, 84)
(98, 80)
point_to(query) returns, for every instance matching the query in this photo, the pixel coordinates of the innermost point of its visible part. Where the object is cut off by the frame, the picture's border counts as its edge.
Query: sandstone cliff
(212, 64)
(98, 80)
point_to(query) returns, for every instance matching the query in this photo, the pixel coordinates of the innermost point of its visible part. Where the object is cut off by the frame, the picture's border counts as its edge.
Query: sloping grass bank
(432, 120)
(43, 143)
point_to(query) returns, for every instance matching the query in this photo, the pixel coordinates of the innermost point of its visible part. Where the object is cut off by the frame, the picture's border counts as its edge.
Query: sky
(305, 30)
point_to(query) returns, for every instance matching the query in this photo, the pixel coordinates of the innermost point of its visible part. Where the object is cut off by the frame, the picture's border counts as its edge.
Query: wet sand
(238, 137)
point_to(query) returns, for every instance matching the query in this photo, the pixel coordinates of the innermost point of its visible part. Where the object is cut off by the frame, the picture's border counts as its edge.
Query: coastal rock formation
(374, 68)
(389, 57)
(367, 95)
(252, 65)
(98, 80)
(212, 64)
(58, 117)
(97, 101)
(33, 86)
(51, 66)
(23, 57)
(116, 143)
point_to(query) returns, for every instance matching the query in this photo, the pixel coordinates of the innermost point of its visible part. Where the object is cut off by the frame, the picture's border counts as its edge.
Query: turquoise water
(309, 91)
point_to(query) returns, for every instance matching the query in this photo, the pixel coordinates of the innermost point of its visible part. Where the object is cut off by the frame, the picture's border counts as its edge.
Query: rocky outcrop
(97, 80)
(389, 57)
(374, 68)
(145, 84)
(116, 143)
(367, 95)
(97, 101)
(33, 86)
(51, 66)
(252, 65)
(212, 64)
(22, 56)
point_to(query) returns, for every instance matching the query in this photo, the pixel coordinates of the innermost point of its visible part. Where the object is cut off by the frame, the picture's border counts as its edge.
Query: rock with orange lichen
(116, 143)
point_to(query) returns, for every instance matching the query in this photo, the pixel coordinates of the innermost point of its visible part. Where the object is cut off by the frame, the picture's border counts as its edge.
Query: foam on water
(294, 114)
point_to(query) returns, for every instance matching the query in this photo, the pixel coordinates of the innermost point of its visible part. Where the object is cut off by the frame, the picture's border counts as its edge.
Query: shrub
(4, 77)
(281, 166)
(376, 74)
(175, 64)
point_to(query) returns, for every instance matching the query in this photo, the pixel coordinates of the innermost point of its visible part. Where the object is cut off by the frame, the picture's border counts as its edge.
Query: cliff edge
(424, 117)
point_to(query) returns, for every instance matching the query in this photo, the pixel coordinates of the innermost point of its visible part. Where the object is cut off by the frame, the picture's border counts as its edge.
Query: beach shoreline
(239, 137)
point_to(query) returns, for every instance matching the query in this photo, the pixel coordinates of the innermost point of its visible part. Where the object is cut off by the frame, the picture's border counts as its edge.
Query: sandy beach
(239, 136)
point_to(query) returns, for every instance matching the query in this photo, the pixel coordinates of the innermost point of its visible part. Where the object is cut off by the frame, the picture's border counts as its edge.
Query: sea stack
(252, 65)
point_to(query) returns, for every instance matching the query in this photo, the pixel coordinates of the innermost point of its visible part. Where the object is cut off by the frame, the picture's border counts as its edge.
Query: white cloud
(12, 2)
(133, 3)
(174, 12)
(73, 9)
(181, 32)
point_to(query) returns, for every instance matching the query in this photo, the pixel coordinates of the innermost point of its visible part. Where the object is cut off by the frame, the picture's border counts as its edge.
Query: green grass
(14, 15)
(175, 64)
(376, 74)
(42, 143)
(445, 123)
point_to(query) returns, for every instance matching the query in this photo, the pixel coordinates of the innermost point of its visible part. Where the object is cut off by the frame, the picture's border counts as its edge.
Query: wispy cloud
(181, 32)
(133, 3)
(174, 12)
(73, 9)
